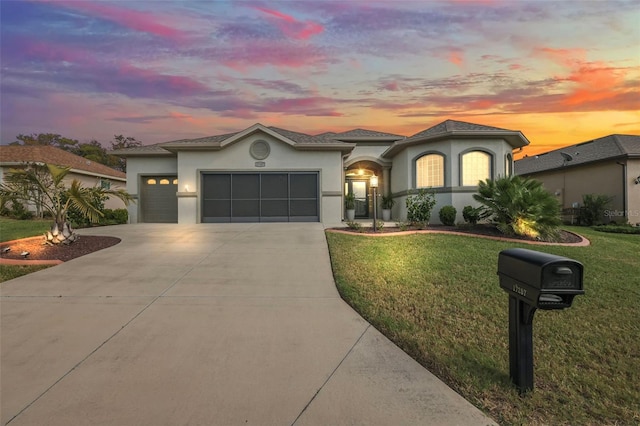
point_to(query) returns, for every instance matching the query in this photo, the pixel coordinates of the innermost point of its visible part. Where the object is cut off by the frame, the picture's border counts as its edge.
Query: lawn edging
(582, 243)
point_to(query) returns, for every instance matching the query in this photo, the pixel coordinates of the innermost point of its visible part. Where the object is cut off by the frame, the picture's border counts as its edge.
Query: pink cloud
(292, 27)
(282, 55)
(145, 22)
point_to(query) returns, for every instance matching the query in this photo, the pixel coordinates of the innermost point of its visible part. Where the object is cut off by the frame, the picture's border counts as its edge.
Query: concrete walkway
(225, 324)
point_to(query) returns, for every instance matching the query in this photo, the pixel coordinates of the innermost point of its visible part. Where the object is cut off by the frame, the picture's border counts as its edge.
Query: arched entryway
(357, 179)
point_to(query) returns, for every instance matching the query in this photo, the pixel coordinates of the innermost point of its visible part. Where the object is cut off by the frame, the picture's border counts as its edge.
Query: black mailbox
(542, 280)
(533, 280)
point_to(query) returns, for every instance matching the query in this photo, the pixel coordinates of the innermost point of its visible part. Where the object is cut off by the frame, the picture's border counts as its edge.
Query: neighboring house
(272, 174)
(89, 173)
(608, 166)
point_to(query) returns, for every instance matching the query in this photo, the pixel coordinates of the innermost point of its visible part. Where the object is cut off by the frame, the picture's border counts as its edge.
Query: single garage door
(260, 197)
(158, 199)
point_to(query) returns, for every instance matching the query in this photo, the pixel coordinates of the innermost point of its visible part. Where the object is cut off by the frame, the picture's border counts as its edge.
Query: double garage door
(260, 197)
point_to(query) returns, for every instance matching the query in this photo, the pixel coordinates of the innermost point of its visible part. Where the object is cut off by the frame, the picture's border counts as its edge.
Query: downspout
(624, 189)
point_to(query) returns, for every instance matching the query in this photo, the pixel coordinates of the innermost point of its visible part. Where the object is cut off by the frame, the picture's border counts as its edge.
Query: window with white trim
(476, 166)
(430, 171)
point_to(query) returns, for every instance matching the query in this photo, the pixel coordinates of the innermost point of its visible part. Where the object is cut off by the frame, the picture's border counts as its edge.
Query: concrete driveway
(209, 324)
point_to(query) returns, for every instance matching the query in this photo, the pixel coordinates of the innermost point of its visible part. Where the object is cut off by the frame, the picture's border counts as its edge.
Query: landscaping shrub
(471, 214)
(354, 226)
(592, 209)
(76, 216)
(379, 224)
(11, 207)
(520, 206)
(447, 215)
(419, 207)
(618, 229)
(115, 217)
(402, 225)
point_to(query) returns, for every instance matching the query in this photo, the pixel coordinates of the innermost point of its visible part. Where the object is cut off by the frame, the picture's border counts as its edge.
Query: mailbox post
(533, 280)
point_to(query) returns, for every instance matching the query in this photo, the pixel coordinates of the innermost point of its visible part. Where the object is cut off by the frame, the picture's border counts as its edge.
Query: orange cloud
(592, 83)
(455, 57)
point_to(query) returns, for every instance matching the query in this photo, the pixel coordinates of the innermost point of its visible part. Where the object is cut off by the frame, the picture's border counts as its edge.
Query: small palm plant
(43, 186)
(520, 206)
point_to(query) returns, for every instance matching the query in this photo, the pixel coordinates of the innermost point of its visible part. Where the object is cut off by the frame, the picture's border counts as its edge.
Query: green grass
(438, 298)
(11, 229)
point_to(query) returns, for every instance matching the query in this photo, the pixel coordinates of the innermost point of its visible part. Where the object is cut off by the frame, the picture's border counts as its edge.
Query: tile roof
(155, 149)
(448, 126)
(365, 133)
(604, 148)
(453, 128)
(11, 154)
(297, 137)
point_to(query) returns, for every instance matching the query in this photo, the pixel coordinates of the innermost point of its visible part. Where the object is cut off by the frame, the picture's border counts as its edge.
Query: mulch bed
(481, 229)
(85, 244)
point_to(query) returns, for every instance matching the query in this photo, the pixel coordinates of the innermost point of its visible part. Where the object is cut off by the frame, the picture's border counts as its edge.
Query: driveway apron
(208, 324)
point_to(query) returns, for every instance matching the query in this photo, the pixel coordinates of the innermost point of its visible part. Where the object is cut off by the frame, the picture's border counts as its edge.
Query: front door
(360, 189)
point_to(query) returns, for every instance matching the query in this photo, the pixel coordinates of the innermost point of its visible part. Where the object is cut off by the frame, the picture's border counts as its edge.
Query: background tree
(92, 150)
(122, 142)
(49, 139)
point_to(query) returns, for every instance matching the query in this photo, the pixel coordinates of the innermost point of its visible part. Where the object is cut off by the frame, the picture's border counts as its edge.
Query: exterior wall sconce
(186, 188)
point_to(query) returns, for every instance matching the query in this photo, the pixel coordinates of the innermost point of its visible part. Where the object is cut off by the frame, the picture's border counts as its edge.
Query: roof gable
(458, 129)
(15, 154)
(605, 148)
(450, 126)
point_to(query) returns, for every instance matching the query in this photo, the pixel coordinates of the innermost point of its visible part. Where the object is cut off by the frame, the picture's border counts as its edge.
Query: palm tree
(520, 206)
(43, 186)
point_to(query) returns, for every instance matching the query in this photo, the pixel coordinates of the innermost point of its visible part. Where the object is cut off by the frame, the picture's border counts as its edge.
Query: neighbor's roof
(452, 129)
(605, 148)
(14, 155)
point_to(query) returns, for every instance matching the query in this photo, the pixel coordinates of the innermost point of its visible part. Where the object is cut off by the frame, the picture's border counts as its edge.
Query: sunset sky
(561, 72)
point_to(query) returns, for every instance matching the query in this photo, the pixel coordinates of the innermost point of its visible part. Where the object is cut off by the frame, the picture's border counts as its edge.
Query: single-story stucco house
(271, 174)
(88, 172)
(609, 166)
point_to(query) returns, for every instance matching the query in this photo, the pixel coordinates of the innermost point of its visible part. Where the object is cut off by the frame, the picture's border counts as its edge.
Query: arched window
(508, 165)
(476, 166)
(430, 171)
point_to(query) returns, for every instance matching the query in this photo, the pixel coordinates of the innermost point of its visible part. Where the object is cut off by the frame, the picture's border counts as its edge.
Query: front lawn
(438, 298)
(11, 229)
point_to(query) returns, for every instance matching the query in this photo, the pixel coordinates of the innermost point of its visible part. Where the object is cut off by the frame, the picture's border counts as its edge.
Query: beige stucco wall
(402, 173)
(282, 157)
(571, 183)
(633, 190)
